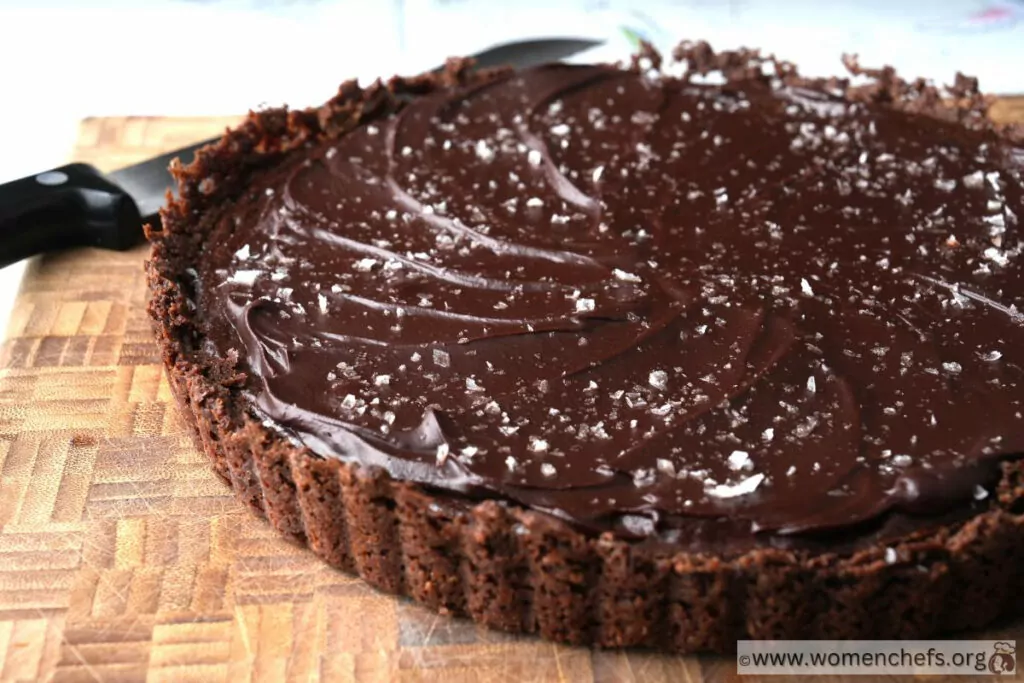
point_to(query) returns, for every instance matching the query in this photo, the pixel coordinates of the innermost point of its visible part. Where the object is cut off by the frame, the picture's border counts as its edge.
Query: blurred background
(63, 60)
(66, 59)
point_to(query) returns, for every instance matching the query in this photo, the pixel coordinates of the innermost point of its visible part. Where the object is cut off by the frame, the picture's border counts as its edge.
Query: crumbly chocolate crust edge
(521, 570)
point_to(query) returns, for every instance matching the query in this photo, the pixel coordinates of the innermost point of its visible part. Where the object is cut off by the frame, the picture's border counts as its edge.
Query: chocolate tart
(662, 355)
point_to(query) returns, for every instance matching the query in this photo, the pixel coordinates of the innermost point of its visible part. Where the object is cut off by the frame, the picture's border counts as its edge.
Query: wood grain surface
(123, 558)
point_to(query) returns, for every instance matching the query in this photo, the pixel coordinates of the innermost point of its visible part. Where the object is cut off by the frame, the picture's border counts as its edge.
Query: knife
(76, 205)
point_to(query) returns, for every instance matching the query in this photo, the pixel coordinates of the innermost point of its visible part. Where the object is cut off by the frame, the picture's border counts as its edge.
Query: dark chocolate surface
(642, 303)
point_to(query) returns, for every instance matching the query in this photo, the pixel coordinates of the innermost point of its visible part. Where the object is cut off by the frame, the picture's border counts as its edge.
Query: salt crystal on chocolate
(740, 460)
(658, 379)
(742, 488)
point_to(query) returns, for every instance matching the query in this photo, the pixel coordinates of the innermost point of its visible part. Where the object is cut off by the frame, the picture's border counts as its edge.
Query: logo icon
(1003, 660)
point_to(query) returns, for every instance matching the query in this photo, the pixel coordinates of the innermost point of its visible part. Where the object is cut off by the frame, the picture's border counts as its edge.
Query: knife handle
(70, 206)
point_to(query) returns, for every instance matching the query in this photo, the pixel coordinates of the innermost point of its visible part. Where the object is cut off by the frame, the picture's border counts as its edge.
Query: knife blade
(76, 205)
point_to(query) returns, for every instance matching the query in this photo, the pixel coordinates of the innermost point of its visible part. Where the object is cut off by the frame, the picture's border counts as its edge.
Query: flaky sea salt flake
(245, 277)
(996, 256)
(740, 460)
(993, 179)
(584, 305)
(666, 467)
(658, 379)
(484, 151)
(643, 477)
(974, 181)
(662, 410)
(741, 488)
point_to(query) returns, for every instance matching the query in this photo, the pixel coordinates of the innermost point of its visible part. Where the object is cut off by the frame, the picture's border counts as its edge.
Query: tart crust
(521, 570)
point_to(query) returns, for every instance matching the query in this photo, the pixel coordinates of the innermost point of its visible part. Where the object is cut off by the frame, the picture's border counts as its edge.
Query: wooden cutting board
(123, 558)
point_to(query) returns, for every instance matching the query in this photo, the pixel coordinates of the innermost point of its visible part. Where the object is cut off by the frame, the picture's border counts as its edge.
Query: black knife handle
(70, 206)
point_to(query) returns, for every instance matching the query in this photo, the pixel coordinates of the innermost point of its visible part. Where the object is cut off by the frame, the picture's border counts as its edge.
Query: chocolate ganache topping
(635, 301)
